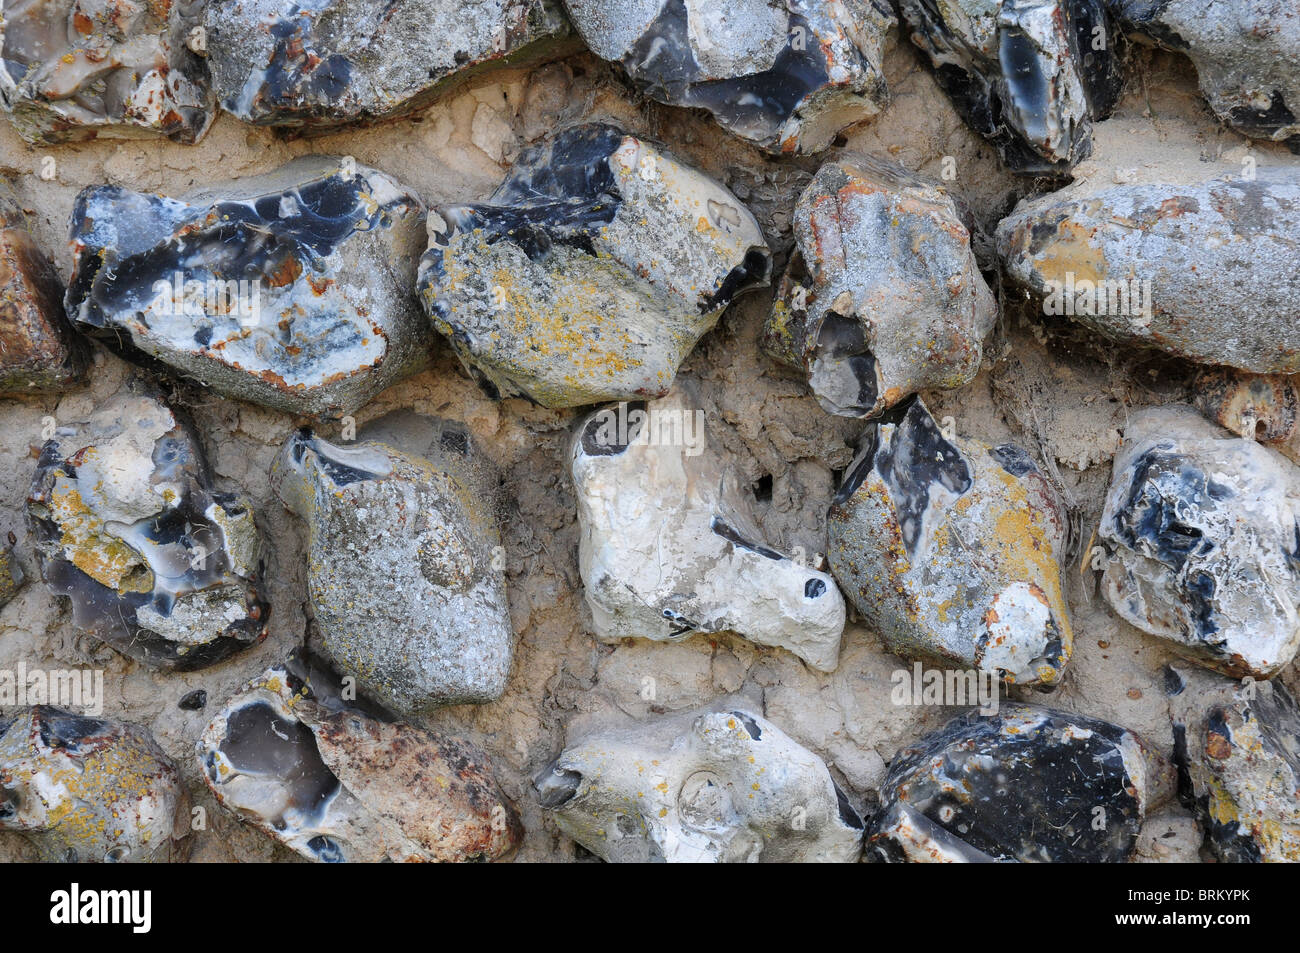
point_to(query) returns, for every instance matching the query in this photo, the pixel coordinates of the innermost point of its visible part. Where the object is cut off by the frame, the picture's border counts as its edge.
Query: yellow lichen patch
(104, 558)
(1072, 252)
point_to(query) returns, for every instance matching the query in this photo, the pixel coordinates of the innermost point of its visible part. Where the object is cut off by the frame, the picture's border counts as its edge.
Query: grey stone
(785, 76)
(591, 272)
(703, 787)
(951, 549)
(882, 296)
(1028, 784)
(338, 781)
(1202, 270)
(292, 289)
(1246, 52)
(1237, 745)
(1030, 76)
(127, 525)
(1200, 537)
(331, 62)
(76, 69)
(670, 546)
(405, 564)
(87, 790)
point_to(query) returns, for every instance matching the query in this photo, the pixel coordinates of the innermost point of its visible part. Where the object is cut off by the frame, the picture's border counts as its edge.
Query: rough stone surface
(1262, 407)
(76, 69)
(1246, 52)
(1028, 784)
(786, 76)
(333, 62)
(882, 297)
(38, 349)
(714, 787)
(1200, 538)
(1238, 751)
(128, 527)
(86, 790)
(591, 272)
(1212, 259)
(292, 290)
(405, 561)
(670, 547)
(952, 549)
(329, 779)
(1030, 76)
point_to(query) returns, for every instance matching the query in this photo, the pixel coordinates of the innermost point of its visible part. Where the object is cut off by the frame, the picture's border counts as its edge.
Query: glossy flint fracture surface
(75, 69)
(952, 549)
(336, 779)
(405, 564)
(700, 787)
(324, 63)
(1030, 76)
(786, 76)
(89, 790)
(291, 289)
(127, 525)
(882, 296)
(1201, 532)
(591, 272)
(1028, 784)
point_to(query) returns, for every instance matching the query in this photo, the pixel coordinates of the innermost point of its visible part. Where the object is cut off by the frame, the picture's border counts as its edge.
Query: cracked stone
(1200, 531)
(73, 70)
(293, 289)
(712, 787)
(669, 544)
(319, 65)
(1031, 76)
(882, 297)
(87, 790)
(405, 564)
(591, 272)
(127, 525)
(339, 781)
(787, 77)
(951, 549)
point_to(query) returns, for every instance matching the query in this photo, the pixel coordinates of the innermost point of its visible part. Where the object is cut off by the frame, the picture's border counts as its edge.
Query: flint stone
(882, 297)
(38, 349)
(1028, 784)
(713, 787)
(87, 790)
(340, 781)
(127, 525)
(1237, 746)
(1246, 53)
(73, 70)
(1025, 74)
(404, 561)
(1261, 407)
(327, 63)
(670, 547)
(951, 549)
(787, 77)
(1214, 261)
(1202, 542)
(301, 296)
(591, 272)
